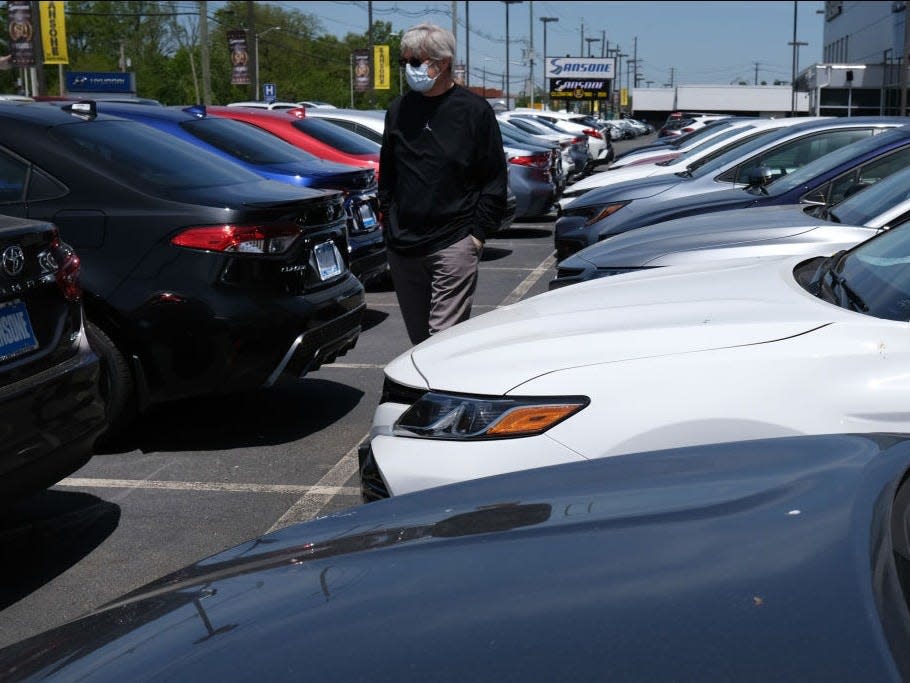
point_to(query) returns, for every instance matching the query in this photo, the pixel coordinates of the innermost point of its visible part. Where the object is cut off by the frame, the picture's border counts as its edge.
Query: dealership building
(859, 75)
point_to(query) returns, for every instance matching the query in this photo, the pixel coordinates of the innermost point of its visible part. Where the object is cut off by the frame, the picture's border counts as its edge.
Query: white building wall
(859, 32)
(760, 100)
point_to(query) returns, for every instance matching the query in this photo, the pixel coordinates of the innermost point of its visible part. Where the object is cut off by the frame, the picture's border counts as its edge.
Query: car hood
(637, 188)
(757, 559)
(703, 231)
(626, 317)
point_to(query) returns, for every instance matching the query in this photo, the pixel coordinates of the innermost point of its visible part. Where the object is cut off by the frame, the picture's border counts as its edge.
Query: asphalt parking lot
(196, 477)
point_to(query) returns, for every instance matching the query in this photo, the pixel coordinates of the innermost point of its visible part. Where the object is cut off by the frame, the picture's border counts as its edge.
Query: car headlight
(593, 213)
(449, 416)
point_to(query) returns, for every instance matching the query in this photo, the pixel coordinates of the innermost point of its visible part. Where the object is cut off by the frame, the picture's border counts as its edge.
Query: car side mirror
(758, 176)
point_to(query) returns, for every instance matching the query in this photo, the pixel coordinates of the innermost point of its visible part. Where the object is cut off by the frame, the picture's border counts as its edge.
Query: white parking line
(89, 483)
(314, 498)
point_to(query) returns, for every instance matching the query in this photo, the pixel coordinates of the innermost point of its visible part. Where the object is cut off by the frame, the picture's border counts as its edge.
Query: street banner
(459, 73)
(624, 97)
(240, 57)
(21, 33)
(53, 32)
(561, 88)
(361, 70)
(383, 72)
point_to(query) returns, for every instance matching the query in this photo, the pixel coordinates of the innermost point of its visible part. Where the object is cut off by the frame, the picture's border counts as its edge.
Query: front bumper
(393, 465)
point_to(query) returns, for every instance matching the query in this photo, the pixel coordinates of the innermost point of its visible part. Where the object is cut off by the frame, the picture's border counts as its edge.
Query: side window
(795, 154)
(859, 178)
(342, 123)
(13, 173)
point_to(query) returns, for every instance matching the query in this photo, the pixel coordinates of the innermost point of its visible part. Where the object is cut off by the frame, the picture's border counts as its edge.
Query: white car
(265, 105)
(737, 134)
(368, 123)
(652, 360)
(596, 143)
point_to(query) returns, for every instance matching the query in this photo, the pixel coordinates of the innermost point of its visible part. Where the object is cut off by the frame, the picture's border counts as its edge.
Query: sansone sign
(589, 68)
(579, 90)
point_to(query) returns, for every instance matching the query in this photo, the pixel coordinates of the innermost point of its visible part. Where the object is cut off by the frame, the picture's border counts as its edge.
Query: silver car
(746, 233)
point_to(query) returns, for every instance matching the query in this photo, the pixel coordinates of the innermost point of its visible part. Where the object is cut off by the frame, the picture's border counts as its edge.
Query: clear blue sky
(702, 42)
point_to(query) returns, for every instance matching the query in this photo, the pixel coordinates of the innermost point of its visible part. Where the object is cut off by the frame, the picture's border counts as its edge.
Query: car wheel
(117, 385)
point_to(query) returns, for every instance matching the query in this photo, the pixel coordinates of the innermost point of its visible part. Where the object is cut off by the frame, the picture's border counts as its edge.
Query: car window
(878, 273)
(142, 154)
(246, 142)
(860, 178)
(789, 156)
(336, 137)
(12, 178)
(838, 157)
(862, 207)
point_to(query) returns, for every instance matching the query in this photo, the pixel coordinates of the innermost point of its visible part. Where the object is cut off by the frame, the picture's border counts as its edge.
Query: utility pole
(581, 45)
(635, 59)
(467, 44)
(252, 28)
(756, 72)
(204, 53)
(531, 52)
(795, 43)
(545, 21)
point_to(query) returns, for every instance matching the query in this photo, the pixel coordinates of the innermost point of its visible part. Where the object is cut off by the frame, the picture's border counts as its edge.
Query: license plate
(328, 260)
(16, 334)
(367, 217)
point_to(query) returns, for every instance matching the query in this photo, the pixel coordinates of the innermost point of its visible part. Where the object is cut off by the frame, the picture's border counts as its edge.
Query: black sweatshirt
(442, 171)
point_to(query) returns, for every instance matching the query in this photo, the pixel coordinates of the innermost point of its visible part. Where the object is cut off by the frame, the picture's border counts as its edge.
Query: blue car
(270, 157)
(743, 176)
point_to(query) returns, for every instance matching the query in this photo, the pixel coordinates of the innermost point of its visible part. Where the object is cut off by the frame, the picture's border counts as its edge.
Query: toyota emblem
(13, 260)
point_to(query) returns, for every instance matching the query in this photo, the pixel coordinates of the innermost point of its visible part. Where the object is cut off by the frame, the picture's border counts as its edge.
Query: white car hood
(673, 310)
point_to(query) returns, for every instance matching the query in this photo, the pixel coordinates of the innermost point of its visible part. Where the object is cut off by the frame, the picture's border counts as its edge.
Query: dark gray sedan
(781, 559)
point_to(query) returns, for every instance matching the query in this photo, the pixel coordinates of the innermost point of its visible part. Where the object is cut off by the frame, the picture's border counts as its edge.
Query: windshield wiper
(844, 295)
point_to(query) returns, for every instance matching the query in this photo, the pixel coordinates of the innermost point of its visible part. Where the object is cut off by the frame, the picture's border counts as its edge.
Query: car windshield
(872, 278)
(244, 141)
(534, 126)
(698, 136)
(831, 161)
(736, 151)
(686, 156)
(140, 153)
(337, 137)
(864, 206)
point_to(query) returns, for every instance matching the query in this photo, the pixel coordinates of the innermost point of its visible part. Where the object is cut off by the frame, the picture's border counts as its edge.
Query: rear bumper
(50, 423)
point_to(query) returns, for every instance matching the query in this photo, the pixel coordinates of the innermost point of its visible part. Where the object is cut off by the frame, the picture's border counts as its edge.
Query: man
(442, 185)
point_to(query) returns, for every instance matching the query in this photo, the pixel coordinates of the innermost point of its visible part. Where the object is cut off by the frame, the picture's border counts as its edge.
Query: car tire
(116, 384)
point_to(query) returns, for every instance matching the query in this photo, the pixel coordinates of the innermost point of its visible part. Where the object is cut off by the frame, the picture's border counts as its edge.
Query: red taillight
(540, 160)
(686, 130)
(239, 239)
(594, 133)
(580, 138)
(68, 273)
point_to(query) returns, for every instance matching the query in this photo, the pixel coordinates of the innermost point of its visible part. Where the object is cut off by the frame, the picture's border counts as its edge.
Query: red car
(317, 136)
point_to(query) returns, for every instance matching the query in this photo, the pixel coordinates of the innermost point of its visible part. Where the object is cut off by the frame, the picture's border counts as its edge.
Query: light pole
(258, 36)
(507, 84)
(546, 20)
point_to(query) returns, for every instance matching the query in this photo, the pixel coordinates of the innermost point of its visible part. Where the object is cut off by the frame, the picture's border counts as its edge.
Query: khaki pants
(435, 291)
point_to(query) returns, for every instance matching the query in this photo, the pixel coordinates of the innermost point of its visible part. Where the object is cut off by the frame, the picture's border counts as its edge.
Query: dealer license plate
(367, 217)
(328, 260)
(16, 334)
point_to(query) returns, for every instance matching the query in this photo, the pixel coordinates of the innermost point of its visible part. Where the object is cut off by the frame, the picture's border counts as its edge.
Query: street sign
(269, 92)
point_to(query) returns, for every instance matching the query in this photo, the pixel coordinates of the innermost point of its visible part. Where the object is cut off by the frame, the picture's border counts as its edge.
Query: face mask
(418, 78)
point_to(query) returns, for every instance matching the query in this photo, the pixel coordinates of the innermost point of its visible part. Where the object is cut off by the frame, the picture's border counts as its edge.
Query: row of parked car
(658, 450)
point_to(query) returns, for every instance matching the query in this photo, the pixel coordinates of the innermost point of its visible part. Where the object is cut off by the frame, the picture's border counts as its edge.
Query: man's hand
(477, 243)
